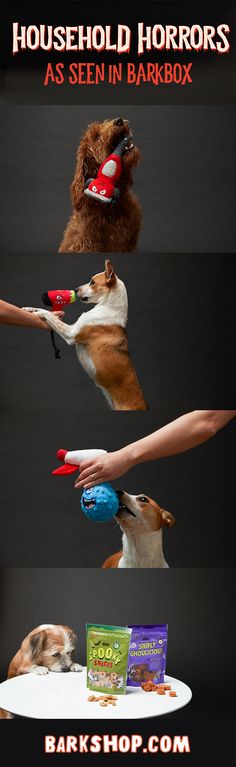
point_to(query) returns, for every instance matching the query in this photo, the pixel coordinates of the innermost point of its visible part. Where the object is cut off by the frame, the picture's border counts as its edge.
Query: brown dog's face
(99, 287)
(50, 646)
(97, 143)
(140, 514)
(108, 134)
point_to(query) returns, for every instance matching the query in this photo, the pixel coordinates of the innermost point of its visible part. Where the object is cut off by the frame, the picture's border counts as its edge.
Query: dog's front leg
(66, 332)
(76, 667)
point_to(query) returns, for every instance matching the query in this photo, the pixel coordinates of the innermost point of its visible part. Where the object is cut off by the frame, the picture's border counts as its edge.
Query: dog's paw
(30, 309)
(40, 670)
(42, 313)
(76, 667)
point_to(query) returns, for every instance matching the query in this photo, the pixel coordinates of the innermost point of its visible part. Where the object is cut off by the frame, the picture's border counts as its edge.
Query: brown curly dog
(110, 228)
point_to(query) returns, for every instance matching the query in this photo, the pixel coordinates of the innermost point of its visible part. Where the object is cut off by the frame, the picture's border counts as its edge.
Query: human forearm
(180, 435)
(13, 315)
(186, 432)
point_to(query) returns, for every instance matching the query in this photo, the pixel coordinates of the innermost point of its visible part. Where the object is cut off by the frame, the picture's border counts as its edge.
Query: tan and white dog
(141, 521)
(100, 339)
(47, 648)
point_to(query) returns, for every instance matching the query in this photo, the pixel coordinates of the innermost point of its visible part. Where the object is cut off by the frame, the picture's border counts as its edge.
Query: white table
(64, 696)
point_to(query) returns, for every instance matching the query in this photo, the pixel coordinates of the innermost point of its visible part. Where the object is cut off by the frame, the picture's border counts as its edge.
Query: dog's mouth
(130, 145)
(84, 298)
(123, 133)
(89, 504)
(123, 509)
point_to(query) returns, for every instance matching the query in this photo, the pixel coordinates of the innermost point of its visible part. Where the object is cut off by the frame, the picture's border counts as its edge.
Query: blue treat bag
(147, 654)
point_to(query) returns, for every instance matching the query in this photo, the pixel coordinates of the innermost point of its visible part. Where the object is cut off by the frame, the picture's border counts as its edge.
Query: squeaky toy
(102, 188)
(56, 300)
(100, 503)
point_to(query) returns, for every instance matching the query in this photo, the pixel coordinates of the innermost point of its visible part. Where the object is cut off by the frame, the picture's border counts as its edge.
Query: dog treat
(160, 689)
(107, 658)
(147, 654)
(103, 700)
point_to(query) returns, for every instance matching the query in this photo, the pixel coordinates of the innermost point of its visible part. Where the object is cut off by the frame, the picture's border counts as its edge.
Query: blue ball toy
(100, 503)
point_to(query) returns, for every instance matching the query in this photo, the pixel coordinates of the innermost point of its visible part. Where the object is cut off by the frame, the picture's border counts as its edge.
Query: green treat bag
(107, 658)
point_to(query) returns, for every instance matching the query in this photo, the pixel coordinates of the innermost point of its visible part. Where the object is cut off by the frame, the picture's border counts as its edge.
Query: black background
(198, 606)
(179, 315)
(181, 336)
(24, 72)
(185, 181)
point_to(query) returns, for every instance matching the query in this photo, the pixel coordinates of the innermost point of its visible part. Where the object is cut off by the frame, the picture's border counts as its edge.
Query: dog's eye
(92, 282)
(55, 654)
(143, 499)
(69, 652)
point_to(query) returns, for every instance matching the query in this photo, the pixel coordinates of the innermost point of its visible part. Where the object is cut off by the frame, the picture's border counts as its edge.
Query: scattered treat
(107, 658)
(160, 689)
(147, 654)
(103, 700)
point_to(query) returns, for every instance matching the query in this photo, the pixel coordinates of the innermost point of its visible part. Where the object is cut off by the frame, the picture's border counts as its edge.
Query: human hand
(40, 320)
(97, 470)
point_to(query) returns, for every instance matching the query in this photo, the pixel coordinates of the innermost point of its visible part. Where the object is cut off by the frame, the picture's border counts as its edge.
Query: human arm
(13, 315)
(186, 432)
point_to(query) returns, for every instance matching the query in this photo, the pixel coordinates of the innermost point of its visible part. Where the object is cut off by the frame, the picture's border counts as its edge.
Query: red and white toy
(71, 459)
(103, 187)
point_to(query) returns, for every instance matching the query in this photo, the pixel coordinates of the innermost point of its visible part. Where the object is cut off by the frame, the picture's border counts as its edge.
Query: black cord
(55, 347)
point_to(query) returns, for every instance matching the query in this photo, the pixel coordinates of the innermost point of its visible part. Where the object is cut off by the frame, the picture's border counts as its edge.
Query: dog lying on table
(46, 648)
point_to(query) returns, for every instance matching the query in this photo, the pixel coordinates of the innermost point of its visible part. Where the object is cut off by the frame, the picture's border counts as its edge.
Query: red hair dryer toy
(56, 300)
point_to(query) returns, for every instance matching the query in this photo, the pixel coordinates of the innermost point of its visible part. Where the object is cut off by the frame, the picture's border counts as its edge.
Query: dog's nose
(119, 493)
(119, 121)
(65, 669)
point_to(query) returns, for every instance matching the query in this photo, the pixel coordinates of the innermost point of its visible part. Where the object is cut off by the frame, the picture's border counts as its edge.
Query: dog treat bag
(107, 658)
(147, 654)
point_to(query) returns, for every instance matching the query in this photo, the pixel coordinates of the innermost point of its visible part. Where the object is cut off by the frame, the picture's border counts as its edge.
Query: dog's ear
(73, 638)
(109, 272)
(87, 164)
(36, 642)
(167, 518)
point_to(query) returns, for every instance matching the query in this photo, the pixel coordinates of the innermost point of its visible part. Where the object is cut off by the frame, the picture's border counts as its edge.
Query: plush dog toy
(56, 300)
(102, 187)
(99, 503)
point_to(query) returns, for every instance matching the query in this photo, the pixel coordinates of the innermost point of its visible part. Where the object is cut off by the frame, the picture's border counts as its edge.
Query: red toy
(72, 459)
(56, 300)
(102, 187)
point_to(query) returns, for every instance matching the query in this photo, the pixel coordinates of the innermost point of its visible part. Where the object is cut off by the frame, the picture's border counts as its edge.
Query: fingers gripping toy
(100, 503)
(56, 300)
(102, 187)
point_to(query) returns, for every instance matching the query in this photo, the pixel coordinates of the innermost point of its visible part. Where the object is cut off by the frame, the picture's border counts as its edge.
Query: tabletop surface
(65, 696)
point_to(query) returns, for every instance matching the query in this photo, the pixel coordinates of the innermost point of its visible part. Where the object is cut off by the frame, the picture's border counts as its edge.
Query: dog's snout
(65, 669)
(119, 121)
(119, 493)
